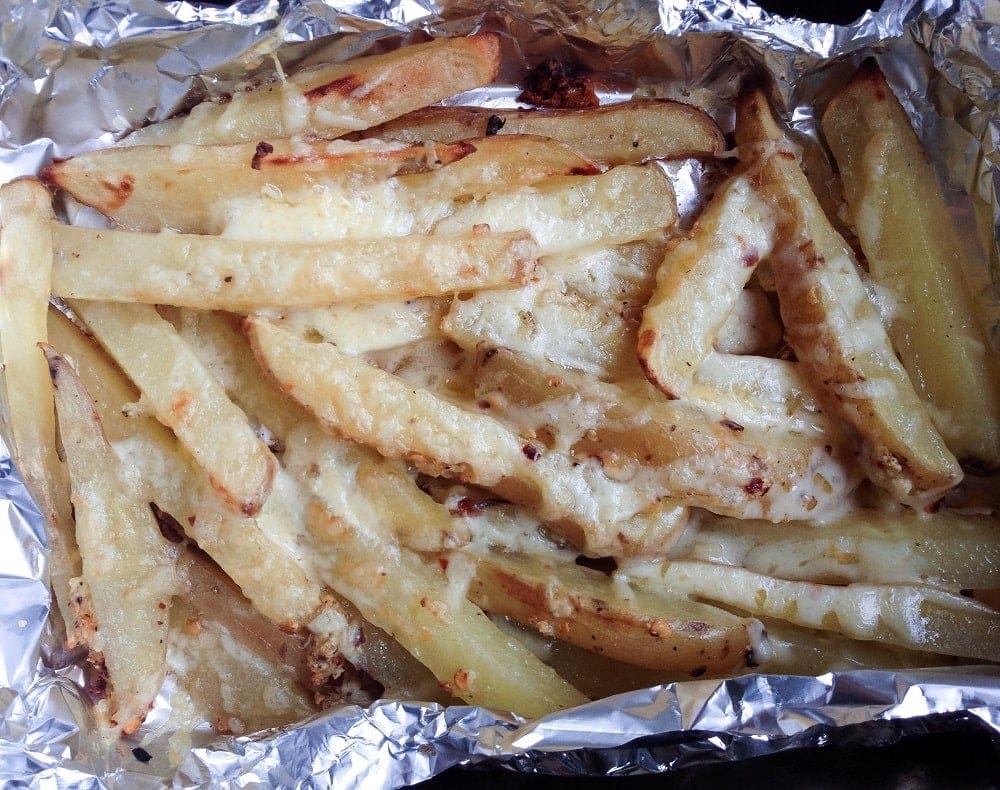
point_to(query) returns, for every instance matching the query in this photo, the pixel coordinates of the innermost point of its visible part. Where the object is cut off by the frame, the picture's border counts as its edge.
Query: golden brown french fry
(415, 602)
(699, 284)
(544, 321)
(562, 213)
(180, 186)
(582, 313)
(129, 569)
(922, 618)
(625, 271)
(333, 99)
(573, 212)
(946, 550)
(587, 609)
(914, 252)
(213, 273)
(360, 327)
(418, 521)
(615, 134)
(552, 320)
(721, 466)
(836, 332)
(368, 405)
(185, 397)
(762, 392)
(247, 549)
(497, 164)
(25, 386)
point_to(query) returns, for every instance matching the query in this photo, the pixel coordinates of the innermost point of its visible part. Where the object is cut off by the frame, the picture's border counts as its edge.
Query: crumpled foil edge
(42, 722)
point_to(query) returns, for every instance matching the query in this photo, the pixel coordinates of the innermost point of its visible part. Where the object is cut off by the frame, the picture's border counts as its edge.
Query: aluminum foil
(77, 74)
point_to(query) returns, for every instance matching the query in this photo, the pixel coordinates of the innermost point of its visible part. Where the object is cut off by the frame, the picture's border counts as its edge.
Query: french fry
(837, 334)
(921, 618)
(551, 320)
(228, 676)
(333, 99)
(371, 406)
(699, 283)
(913, 251)
(115, 530)
(418, 521)
(946, 550)
(564, 214)
(498, 164)
(359, 328)
(263, 555)
(179, 187)
(794, 650)
(582, 313)
(185, 397)
(543, 321)
(762, 392)
(625, 272)
(213, 273)
(723, 467)
(615, 134)
(587, 609)
(25, 386)
(269, 575)
(415, 602)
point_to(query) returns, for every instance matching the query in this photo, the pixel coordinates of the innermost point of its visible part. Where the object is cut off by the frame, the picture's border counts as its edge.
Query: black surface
(841, 13)
(965, 754)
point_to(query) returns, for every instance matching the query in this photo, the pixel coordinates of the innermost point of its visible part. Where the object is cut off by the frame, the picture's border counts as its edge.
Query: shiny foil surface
(78, 74)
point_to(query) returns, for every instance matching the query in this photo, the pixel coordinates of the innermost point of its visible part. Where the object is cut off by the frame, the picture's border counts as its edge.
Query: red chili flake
(531, 452)
(756, 486)
(467, 506)
(733, 426)
(443, 562)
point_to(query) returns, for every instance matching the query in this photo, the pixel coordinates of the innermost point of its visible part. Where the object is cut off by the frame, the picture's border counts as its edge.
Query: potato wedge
(359, 328)
(544, 322)
(563, 213)
(615, 134)
(717, 465)
(699, 284)
(185, 397)
(946, 550)
(574, 212)
(363, 403)
(213, 273)
(416, 519)
(921, 618)
(415, 602)
(115, 530)
(178, 187)
(25, 386)
(761, 392)
(247, 549)
(587, 609)
(914, 253)
(333, 99)
(837, 334)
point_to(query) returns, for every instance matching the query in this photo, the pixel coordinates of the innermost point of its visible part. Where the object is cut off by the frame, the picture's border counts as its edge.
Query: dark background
(963, 753)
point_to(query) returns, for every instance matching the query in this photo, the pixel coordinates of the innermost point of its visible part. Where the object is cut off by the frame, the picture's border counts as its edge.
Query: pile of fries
(316, 419)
